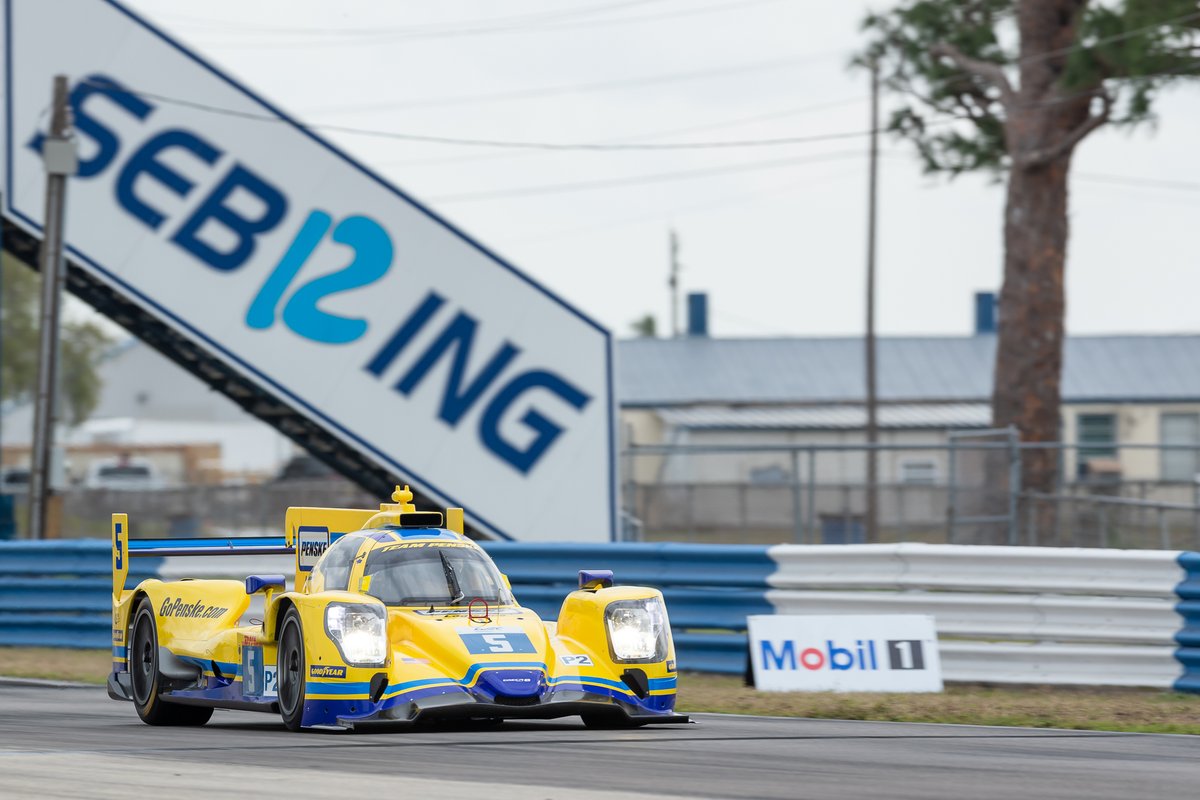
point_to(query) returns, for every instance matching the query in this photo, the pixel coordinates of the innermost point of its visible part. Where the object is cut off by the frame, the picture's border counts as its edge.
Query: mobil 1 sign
(316, 279)
(849, 653)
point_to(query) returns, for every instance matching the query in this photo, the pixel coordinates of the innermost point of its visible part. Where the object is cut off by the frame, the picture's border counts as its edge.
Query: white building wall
(1137, 423)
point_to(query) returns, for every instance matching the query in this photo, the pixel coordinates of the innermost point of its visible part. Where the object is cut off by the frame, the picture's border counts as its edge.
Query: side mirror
(257, 583)
(593, 579)
(507, 582)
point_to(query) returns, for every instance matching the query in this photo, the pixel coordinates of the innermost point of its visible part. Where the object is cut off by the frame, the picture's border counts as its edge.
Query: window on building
(771, 475)
(1180, 429)
(919, 472)
(1096, 435)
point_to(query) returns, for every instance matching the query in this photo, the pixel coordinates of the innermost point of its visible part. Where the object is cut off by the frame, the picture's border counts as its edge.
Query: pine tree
(1011, 88)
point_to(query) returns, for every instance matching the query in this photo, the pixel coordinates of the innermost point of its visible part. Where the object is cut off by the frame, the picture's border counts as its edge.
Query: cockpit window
(434, 575)
(333, 572)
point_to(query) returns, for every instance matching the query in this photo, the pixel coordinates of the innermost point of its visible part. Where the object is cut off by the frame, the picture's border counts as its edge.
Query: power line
(1117, 37)
(683, 12)
(1147, 183)
(597, 146)
(552, 26)
(709, 126)
(500, 143)
(596, 86)
(686, 211)
(435, 28)
(631, 180)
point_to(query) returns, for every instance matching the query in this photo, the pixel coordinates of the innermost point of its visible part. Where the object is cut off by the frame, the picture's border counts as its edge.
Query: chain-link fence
(256, 509)
(967, 490)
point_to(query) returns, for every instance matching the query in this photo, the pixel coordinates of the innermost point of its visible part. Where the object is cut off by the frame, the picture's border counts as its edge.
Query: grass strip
(1072, 708)
(58, 664)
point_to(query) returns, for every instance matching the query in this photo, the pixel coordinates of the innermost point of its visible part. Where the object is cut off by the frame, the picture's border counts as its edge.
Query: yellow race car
(395, 617)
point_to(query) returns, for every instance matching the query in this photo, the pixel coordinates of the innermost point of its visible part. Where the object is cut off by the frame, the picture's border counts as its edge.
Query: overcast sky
(774, 234)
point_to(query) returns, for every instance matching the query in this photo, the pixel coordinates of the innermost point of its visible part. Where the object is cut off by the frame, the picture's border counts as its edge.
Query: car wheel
(291, 670)
(147, 681)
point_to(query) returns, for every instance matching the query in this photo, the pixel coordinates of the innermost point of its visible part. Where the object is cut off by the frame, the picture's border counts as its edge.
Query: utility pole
(673, 283)
(58, 155)
(872, 515)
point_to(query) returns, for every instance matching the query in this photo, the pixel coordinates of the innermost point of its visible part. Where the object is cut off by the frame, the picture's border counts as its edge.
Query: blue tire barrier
(58, 594)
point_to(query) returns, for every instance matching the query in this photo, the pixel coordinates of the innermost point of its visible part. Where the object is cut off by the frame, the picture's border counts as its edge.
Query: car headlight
(637, 630)
(359, 631)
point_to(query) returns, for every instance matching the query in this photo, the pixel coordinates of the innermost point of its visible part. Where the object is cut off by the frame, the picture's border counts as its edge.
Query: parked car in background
(14, 480)
(131, 474)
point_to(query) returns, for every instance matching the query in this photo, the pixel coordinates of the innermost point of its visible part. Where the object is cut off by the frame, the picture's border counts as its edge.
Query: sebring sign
(316, 279)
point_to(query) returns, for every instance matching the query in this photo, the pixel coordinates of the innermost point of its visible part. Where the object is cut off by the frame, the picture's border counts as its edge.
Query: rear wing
(125, 548)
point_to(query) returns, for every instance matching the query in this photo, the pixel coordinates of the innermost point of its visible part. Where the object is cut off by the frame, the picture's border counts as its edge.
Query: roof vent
(697, 314)
(985, 313)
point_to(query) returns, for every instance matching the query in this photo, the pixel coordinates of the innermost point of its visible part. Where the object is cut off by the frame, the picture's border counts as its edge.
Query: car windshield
(430, 573)
(124, 471)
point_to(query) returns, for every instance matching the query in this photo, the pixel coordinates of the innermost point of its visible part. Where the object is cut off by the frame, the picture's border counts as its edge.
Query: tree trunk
(1029, 349)
(1044, 126)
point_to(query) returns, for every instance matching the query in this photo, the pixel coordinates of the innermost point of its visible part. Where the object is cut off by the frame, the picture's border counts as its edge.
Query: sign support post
(58, 155)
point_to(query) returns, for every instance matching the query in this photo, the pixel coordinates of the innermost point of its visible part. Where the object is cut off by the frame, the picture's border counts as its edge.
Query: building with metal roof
(928, 369)
(810, 391)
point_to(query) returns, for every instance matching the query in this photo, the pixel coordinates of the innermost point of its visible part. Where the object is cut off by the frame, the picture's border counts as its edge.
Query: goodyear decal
(196, 610)
(326, 671)
(118, 636)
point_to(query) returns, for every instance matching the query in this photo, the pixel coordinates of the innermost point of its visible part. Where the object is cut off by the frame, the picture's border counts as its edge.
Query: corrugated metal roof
(687, 371)
(843, 417)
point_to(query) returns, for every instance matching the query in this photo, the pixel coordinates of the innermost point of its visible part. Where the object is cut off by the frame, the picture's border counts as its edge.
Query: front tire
(147, 682)
(291, 670)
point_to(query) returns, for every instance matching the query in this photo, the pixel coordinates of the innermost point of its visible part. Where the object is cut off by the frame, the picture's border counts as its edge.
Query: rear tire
(147, 682)
(291, 670)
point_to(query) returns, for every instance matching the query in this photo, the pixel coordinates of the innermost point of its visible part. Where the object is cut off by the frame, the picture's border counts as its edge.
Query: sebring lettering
(519, 410)
(464, 388)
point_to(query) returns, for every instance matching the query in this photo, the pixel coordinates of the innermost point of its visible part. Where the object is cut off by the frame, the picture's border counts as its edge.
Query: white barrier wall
(1005, 614)
(1039, 615)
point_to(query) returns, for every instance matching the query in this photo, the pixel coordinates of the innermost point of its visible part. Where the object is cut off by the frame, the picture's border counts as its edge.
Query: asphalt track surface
(76, 743)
